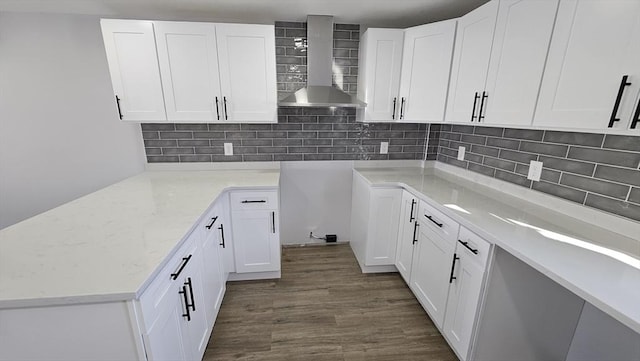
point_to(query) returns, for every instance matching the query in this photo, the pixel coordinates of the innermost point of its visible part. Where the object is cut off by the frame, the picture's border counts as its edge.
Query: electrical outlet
(384, 147)
(461, 151)
(535, 170)
(228, 148)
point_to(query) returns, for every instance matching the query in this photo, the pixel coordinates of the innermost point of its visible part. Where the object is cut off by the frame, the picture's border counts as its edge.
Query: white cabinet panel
(426, 65)
(595, 43)
(246, 55)
(213, 277)
(467, 279)
(383, 226)
(379, 79)
(133, 65)
(189, 66)
(517, 61)
(470, 63)
(462, 304)
(407, 235)
(430, 274)
(256, 241)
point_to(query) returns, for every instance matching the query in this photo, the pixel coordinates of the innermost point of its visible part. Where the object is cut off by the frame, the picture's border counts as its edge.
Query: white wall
(59, 133)
(315, 197)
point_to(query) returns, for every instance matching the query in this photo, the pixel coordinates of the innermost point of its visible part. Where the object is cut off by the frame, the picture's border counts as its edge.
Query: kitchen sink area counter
(596, 264)
(108, 245)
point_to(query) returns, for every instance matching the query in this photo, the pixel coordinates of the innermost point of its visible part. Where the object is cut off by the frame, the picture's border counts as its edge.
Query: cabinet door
(133, 65)
(407, 233)
(256, 240)
(189, 67)
(383, 226)
(426, 65)
(463, 302)
(470, 62)
(430, 273)
(595, 43)
(247, 62)
(517, 61)
(213, 270)
(165, 340)
(379, 82)
(197, 328)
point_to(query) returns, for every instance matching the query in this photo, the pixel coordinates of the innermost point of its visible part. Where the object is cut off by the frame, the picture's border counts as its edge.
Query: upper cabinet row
(192, 72)
(570, 64)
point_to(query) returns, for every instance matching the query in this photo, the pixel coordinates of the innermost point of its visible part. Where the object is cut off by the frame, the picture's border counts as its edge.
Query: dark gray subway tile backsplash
(313, 133)
(598, 170)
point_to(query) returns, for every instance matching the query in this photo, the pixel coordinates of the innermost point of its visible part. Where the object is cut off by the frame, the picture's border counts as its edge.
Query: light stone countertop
(107, 246)
(600, 266)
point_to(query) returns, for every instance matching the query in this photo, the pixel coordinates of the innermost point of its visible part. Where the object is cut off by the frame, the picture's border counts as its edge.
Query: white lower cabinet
(256, 231)
(174, 309)
(432, 259)
(467, 279)
(407, 234)
(214, 277)
(374, 225)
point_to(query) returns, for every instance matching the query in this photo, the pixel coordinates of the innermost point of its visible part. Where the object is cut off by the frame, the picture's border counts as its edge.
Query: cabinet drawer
(438, 222)
(154, 300)
(468, 242)
(254, 200)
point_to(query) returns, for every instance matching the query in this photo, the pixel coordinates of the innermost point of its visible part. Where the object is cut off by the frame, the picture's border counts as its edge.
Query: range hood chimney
(319, 92)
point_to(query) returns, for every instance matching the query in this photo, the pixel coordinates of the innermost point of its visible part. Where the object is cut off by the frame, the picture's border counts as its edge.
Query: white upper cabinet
(517, 61)
(379, 80)
(426, 64)
(247, 61)
(470, 63)
(499, 61)
(595, 45)
(189, 67)
(201, 72)
(133, 65)
(404, 74)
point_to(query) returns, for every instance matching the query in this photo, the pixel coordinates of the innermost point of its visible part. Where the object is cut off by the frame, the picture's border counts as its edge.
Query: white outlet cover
(384, 147)
(461, 151)
(228, 148)
(535, 171)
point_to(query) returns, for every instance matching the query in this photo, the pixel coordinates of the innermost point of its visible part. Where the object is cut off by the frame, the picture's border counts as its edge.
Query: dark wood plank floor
(324, 308)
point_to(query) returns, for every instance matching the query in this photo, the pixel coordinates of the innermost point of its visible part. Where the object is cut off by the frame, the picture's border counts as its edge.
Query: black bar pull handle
(415, 231)
(636, 117)
(186, 313)
(217, 109)
(453, 268)
(185, 260)
(411, 217)
(434, 221)
(466, 244)
(226, 113)
(624, 83)
(260, 201)
(213, 221)
(118, 104)
(273, 222)
(402, 108)
(193, 301)
(221, 228)
(473, 111)
(393, 113)
(480, 115)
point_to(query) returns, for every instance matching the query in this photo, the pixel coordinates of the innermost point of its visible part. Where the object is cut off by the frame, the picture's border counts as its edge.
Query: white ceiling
(369, 13)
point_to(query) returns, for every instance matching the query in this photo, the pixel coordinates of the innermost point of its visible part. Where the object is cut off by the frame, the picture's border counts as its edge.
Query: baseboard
(254, 276)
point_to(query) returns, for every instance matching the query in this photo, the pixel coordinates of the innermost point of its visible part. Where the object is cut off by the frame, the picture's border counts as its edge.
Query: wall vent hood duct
(319, 92)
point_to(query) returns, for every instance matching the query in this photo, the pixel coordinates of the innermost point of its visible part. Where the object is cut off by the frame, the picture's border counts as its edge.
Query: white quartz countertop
(600, 266)
(106, 246)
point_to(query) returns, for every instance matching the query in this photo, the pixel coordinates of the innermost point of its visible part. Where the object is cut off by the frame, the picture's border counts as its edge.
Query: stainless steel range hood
(319, 92)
